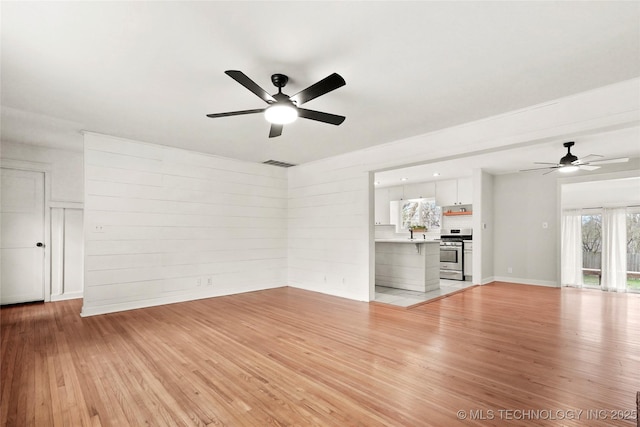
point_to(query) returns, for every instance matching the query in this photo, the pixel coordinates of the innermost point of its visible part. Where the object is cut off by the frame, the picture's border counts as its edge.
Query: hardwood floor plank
(291, 357)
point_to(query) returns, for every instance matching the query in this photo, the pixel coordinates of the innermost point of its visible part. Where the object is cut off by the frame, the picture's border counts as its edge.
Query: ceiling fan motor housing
(569, 158)
(279, 80)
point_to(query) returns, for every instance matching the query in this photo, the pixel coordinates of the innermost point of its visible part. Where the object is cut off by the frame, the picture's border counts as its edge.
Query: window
(420, 213)
(633, 249)
(591, 249)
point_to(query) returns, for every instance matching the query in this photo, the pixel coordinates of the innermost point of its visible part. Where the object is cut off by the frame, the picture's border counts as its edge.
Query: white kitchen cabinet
(465, 191)
(396, 193)
(446, 192)
(453, 192)
(420, 190)
(382, 206)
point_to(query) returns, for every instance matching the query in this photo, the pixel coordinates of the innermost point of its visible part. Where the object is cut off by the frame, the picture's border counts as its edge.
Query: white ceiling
(151, 71)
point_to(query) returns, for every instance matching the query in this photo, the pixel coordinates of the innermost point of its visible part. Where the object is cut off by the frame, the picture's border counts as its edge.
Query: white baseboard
(329, 291)
(66, 296)
(169, 299)
(520, 281)
(487, 280)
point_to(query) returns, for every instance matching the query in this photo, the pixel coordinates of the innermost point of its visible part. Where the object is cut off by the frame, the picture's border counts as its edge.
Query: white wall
(160, 223)
(329, 207)
(523, 202)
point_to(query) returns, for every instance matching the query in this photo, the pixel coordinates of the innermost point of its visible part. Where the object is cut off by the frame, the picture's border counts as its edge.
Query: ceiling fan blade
(326, 85)
(276, 130)
(589, 167)
(236, 113)
(609, 161)
(319, 116)
(538, 169)
(583, 160)
(245, 81)
(552, 170)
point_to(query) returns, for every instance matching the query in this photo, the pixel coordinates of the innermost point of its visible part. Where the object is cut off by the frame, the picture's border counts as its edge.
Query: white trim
(67, 296)
(57, 252)
(631, 173)
(25, 165)
(520, 281)
(487, 280)
(172, 299)
(66, 205)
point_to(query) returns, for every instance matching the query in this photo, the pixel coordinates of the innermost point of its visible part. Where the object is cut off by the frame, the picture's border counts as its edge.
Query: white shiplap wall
(330, 207)
(165, 225)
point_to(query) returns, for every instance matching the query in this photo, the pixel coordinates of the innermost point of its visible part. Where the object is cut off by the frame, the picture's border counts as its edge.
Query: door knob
(40, 245)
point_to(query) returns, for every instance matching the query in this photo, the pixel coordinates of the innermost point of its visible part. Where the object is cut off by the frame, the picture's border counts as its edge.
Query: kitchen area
(423, 239)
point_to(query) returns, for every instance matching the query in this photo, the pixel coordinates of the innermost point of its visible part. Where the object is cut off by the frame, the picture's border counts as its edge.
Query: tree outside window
(592, 249)
(420, 213)
(633, 250)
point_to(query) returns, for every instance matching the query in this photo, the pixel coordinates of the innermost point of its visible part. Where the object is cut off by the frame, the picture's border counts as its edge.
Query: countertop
(407, 240)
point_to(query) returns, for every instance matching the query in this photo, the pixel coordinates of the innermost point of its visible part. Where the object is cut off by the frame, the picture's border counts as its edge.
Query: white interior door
(22, 236)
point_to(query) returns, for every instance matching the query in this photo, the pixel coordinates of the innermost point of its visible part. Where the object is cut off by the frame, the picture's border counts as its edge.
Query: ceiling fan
(283, 108)
(571, 163)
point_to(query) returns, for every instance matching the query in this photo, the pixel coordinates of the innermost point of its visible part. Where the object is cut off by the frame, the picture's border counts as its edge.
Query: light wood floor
(291, 357)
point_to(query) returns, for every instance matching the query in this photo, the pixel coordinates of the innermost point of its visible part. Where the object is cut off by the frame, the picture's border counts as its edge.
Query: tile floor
(403, 298)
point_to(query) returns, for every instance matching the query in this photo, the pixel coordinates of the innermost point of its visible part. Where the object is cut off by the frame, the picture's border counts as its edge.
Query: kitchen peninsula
(411, 264)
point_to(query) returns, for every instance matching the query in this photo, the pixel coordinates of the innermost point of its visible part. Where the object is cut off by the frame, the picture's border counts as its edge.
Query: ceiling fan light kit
(284, 109)
(568, 168)
(281, 114)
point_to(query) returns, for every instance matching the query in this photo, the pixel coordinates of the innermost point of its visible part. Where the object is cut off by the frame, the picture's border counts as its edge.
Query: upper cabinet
(465, 191)
(419, 190)
(382, 206)
(454, 192)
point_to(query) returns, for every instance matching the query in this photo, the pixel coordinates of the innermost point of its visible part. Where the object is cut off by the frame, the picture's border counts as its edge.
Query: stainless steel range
(451, 252)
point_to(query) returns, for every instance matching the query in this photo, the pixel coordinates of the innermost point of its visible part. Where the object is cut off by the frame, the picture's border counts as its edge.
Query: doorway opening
(603, 250)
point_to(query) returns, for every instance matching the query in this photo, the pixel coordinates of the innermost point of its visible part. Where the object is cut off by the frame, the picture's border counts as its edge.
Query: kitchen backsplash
(462, 221)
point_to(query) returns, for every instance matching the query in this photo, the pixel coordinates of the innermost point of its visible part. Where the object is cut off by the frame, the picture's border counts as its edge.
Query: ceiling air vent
(277, 163)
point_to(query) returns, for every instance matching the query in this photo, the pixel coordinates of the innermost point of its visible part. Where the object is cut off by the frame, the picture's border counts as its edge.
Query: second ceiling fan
(283, 108)
(571, 163)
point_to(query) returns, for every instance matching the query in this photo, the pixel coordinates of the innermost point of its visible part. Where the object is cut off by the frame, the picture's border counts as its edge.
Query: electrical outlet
(98, 229)
(209, 281)
(199, 281)
(509, 270)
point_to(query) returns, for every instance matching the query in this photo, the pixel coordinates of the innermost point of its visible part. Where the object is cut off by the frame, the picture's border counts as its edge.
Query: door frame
(45, 169)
